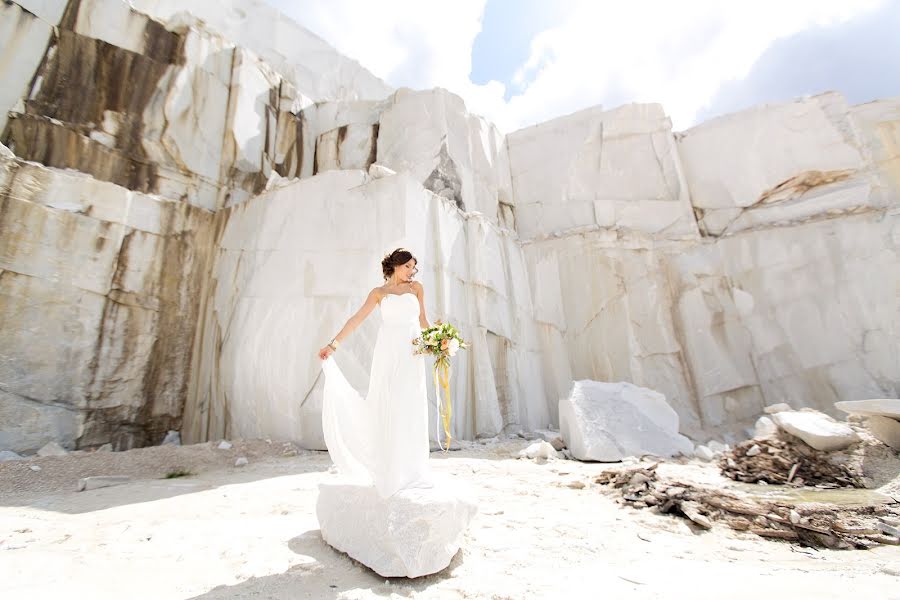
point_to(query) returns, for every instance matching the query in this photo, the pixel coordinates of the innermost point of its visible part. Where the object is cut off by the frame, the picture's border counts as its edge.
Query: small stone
(776, 408)
(795, 517)
(241, 461)
(6, 455)
(638, 479)
(539, 449)
(764, 428)
(105, 448)
(173, 438)
(101, 481)
(224, 445)
(754, 450)
(704, 453)
(675, 492)
(52, 449)
(717, 447)
(762, 482)
(34, 468)
(576, 485)
(551, 437)
(692, 511)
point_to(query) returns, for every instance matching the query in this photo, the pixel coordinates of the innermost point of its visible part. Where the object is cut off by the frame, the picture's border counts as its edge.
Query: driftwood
(784, 459)
(818, 525)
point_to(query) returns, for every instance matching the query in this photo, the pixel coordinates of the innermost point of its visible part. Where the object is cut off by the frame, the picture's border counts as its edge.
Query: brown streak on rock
(800, 184)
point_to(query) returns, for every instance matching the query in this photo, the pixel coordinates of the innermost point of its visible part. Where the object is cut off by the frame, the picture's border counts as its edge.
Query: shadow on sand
(326, 574)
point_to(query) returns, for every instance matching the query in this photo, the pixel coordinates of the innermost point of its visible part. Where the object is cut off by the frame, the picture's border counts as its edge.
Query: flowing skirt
(381, 439)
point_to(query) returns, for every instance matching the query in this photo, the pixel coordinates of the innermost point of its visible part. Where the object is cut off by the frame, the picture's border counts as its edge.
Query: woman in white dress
(382, 439)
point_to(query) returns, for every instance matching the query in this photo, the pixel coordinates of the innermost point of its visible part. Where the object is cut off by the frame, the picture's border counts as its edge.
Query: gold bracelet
(334, 344)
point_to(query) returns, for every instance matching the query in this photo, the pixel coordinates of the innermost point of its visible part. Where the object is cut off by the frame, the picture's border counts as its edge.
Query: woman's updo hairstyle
(398, 257)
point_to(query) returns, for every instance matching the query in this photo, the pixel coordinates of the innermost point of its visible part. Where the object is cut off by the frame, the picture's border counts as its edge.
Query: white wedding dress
(382, 439)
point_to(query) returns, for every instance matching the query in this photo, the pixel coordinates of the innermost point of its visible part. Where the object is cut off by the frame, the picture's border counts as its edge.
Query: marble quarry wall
(294, 263)
(122, 135)
(754, 259)
(191, 204)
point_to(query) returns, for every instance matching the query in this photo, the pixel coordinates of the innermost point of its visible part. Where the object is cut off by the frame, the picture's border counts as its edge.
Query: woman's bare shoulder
(417, 287)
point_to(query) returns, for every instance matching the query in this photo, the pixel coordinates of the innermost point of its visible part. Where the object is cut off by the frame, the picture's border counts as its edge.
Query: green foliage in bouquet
(442, 341)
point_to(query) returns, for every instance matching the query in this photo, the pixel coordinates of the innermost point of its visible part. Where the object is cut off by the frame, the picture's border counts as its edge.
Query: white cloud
(675, 53)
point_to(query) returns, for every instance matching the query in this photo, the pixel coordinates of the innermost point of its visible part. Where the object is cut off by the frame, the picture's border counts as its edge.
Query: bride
(382, 439)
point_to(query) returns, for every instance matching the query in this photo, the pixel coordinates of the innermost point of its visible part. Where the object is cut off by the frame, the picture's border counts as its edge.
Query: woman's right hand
(325, 352)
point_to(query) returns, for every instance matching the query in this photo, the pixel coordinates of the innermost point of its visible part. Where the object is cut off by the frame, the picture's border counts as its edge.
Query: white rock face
(816, 429)
(25, 37)
(610, 421)
(347, 147)
(788, 181)
(577, 172)
(99, 285)
(413, 533)
(27, 425)
(885, 429)
(884, 407)
(316, 68)
(457, 155)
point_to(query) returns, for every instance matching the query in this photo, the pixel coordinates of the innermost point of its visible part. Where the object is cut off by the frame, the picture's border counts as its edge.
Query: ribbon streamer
(445, 411)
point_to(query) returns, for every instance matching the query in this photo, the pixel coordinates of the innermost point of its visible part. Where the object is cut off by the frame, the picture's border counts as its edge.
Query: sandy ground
(251, 532)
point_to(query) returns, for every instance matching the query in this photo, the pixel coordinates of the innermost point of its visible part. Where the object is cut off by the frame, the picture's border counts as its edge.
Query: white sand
(252, 533)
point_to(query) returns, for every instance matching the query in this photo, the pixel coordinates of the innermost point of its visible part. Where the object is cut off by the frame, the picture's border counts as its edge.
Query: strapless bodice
(400, 309)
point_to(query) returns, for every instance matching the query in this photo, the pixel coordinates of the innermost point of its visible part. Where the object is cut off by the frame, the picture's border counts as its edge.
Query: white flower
(453, 347)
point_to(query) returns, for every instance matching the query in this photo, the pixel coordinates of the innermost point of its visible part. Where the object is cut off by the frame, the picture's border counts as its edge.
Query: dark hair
(398, 257)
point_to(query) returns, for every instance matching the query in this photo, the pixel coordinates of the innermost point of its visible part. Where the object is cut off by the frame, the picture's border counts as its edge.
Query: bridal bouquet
(443, 342)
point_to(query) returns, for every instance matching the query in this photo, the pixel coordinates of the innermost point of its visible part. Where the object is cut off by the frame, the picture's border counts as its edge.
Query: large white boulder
(816, 429)
(413, 533)
(881, 407)
(610, 421)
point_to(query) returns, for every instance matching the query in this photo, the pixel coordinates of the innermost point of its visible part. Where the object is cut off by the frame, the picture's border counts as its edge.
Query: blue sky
(504, 43)
(520, 62)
